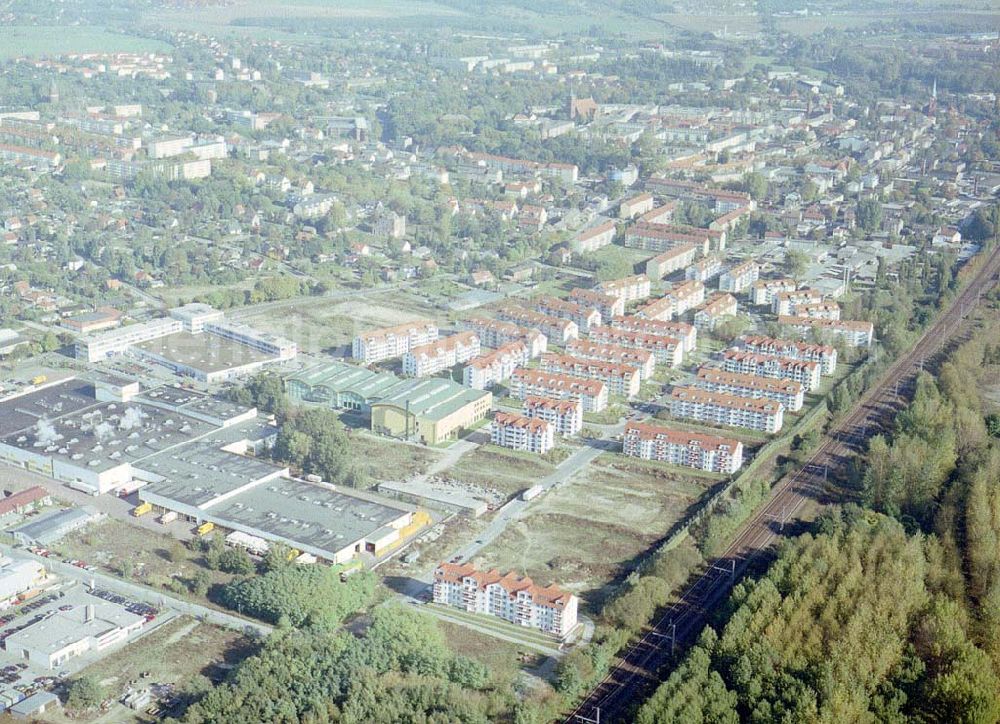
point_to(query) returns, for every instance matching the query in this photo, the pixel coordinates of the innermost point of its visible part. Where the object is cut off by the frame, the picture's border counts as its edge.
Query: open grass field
(583, 534)
(37, 40)
(501, 657)
(155, 559)
(317, 324)
(506, 471)
(383, 459)
(248, 17)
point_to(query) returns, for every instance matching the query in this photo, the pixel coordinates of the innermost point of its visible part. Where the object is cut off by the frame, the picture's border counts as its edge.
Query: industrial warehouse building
(192, 454)
(341, 386)
(94, 436)
(430, 410)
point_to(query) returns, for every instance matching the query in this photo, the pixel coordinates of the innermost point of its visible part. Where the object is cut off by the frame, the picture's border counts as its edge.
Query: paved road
(414, 589)
(646, 660)
(148, 595)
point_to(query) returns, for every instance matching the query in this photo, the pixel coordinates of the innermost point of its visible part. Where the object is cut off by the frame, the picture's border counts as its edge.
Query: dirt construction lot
(582, 535)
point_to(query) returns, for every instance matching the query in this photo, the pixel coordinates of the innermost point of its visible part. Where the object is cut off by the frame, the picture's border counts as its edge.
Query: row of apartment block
(781, 368)
(508, 596)
(789, 393)
(592, 394)
(667, 350)
(485, 371)
(680, 447)
(429, 359)
(496, 333)
(717, 408)
(520, 432)
(382, 344)
(621, 379)
(824, 355)
(560, 331)
(641, 359)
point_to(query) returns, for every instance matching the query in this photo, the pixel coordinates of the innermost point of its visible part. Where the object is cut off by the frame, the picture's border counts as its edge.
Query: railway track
(642, 663)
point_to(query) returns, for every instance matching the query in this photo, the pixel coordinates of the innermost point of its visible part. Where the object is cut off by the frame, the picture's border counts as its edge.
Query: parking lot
(20, 678)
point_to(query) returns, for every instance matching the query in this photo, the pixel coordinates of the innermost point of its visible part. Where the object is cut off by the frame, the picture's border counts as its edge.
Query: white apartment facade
(513, 598)
(780, 368)
(485, 371)
(519, 432)
(823, 354)
(592, 394)
(717, 408)
(739, 278)
(566, 416)
(382, 344)
(642, 359)
(429, 359)
(789, 393)
(622, 380)
(680, 447)
(666, 349)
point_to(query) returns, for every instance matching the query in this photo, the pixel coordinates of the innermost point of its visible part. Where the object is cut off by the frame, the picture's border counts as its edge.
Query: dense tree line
(399, 670)
(299, 595)
(850, 624)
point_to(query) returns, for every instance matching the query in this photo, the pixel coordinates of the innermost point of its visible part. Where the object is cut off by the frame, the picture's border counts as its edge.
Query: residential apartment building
(686, 333)
(671, 260)
(636, 206)
(609, 306)
(780, 368)
(818, 310)
(582, 315)
(621, 379)
(823, 354)
(765, 290)
(717, 408)
(675, 302)
(666, 349)
(789, 393)
(485, 371)
(429, 359)
(593, 238)
(628, 289)
(784, 304)
(382, 344)
(513, 598)
(554, 328)
(659, 238)
(641, 359)
(716, 308)
(663, 214)
(592, 394)
(854, 333)
(680, 447)
(496, 333)
(566, 416)
(518, 432)
(708, 268)
(739, 278)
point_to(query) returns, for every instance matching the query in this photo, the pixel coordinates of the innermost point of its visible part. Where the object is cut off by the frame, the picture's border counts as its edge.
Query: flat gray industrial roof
(204, 352)
(195, 402)
(48, 527)
(315, 515)
(23, 411)
(108, 434)
(63, 628)
(200, 472)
